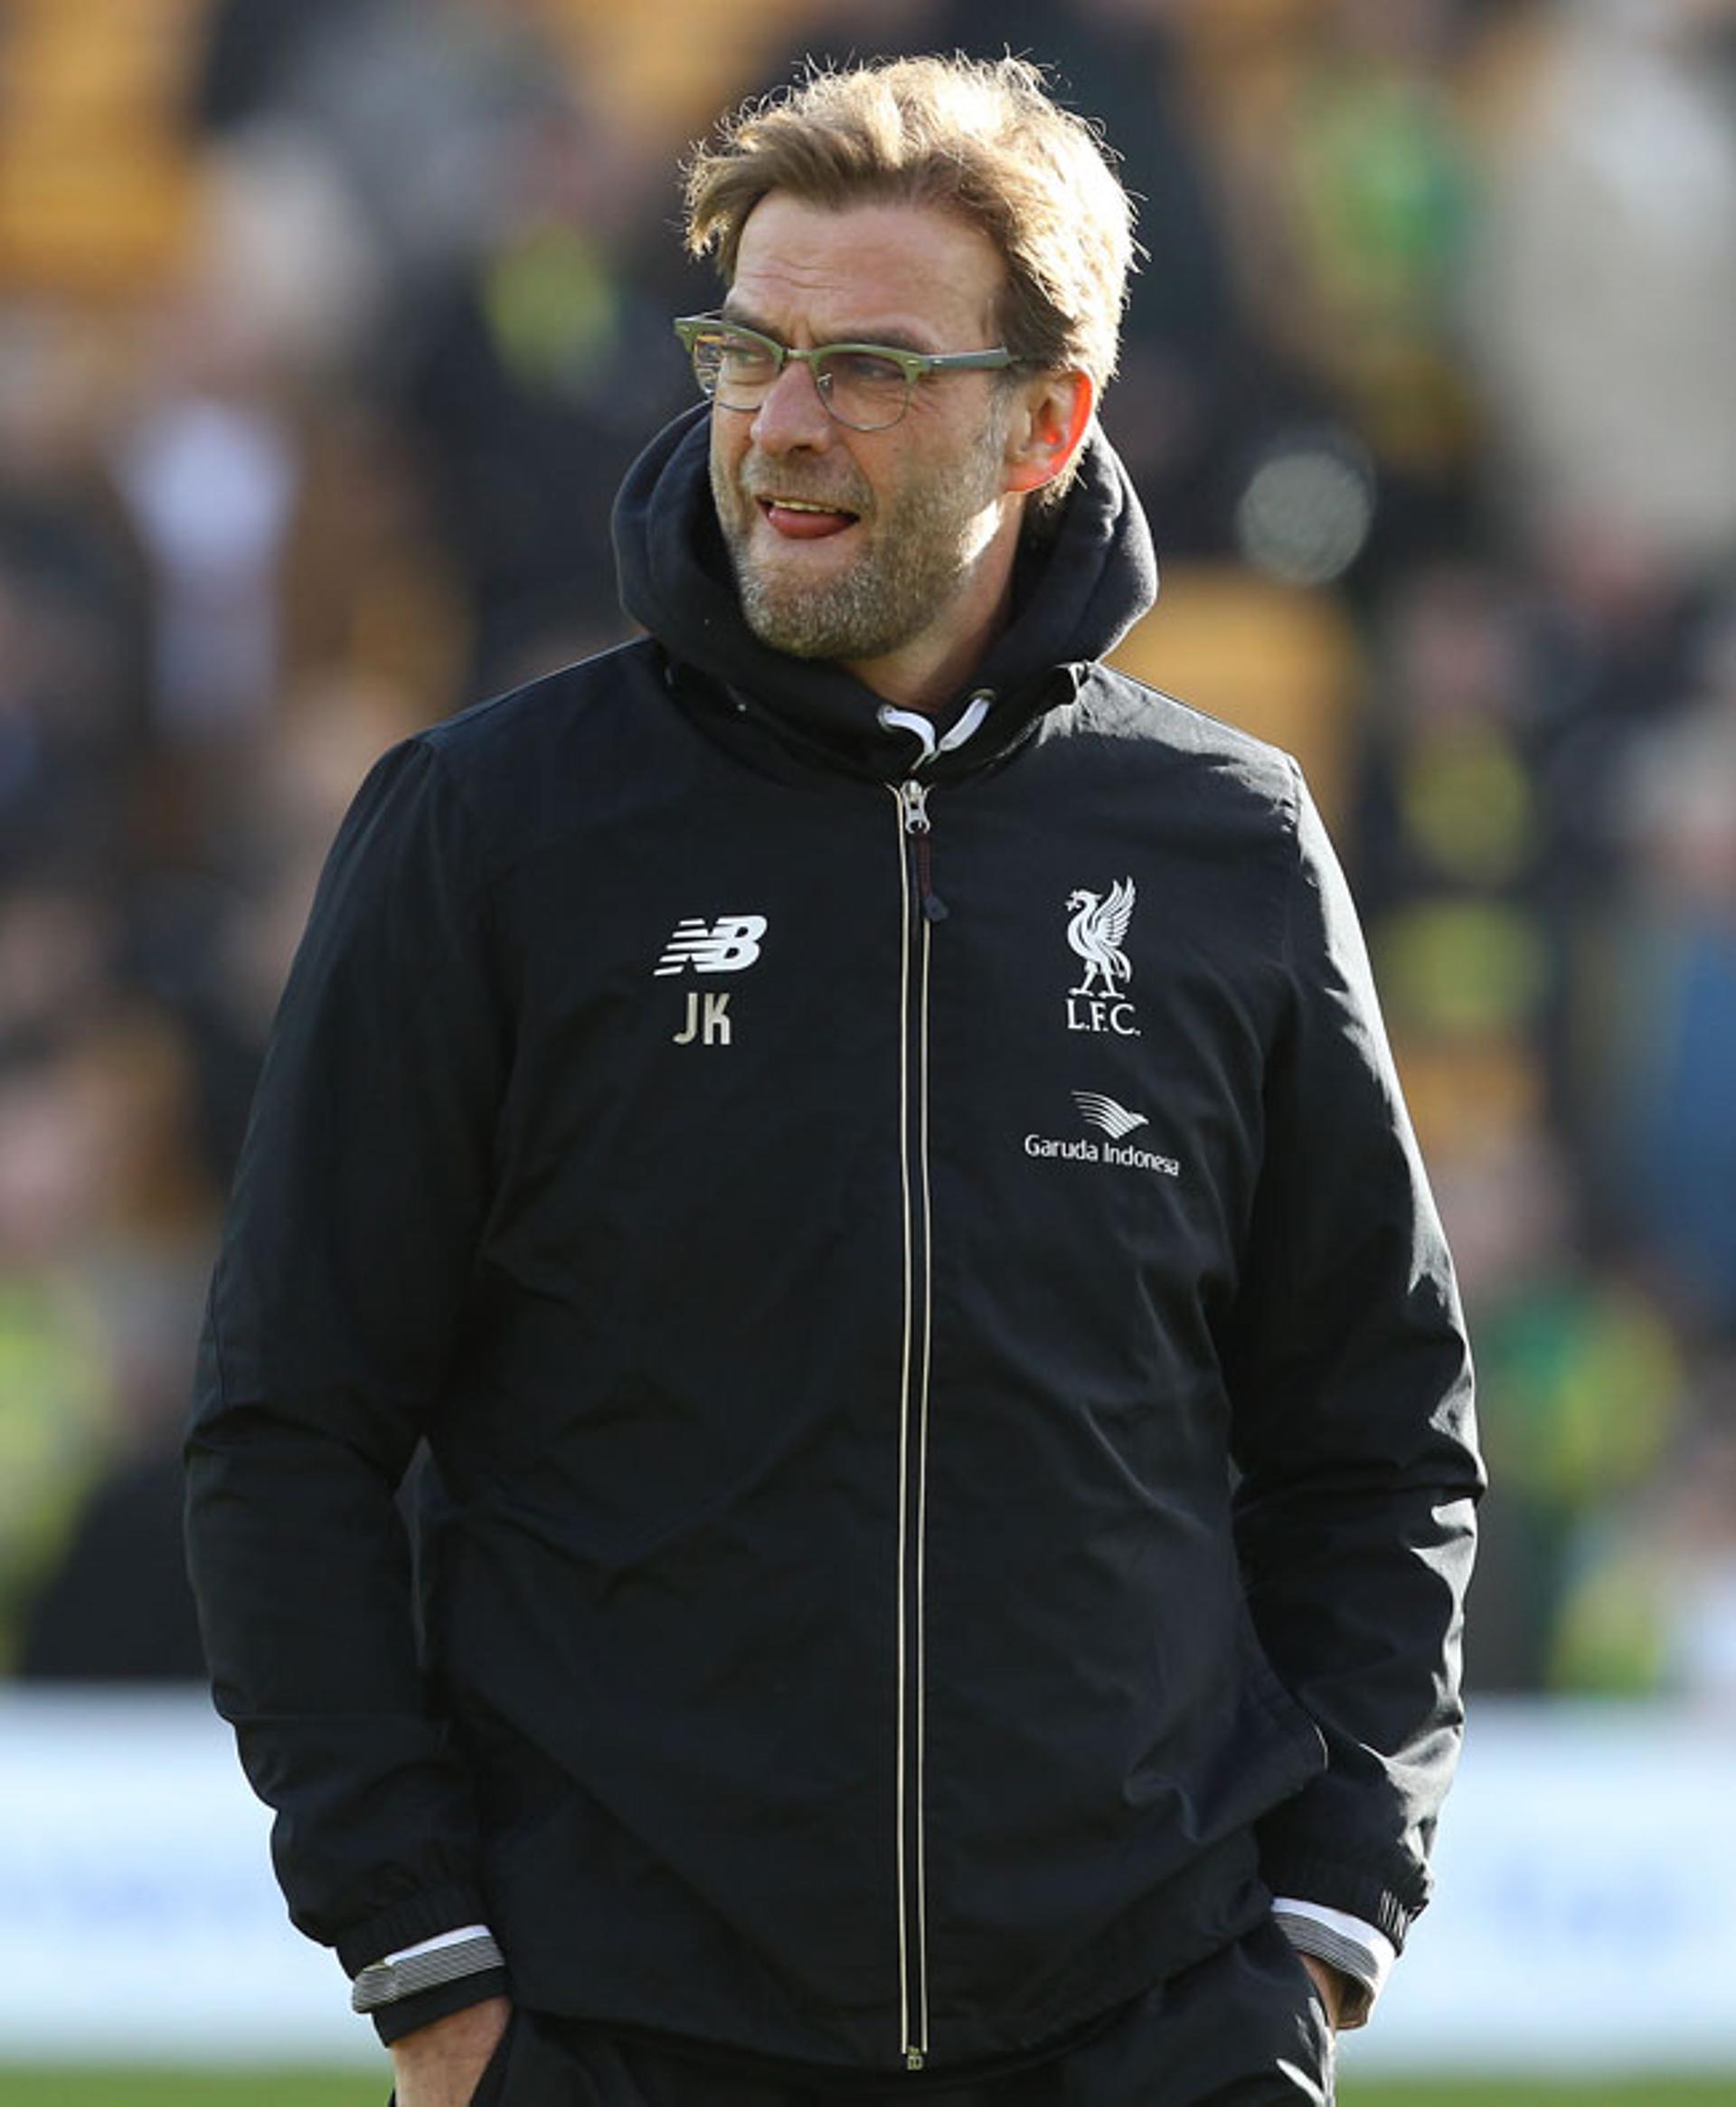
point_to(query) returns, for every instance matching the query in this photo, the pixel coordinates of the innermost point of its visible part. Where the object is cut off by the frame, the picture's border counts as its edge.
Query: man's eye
(866, 370)
(742, 358)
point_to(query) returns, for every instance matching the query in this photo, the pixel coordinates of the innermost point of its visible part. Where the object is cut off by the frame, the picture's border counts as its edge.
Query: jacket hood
(1076, 594)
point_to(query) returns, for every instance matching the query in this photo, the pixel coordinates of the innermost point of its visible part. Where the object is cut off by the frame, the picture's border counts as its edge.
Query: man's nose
(792, 414)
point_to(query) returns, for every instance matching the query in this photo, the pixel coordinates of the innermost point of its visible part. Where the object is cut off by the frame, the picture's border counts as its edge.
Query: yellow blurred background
(326, 328)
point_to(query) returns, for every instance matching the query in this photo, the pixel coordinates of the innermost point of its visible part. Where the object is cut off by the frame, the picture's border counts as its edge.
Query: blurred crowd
(327, 330)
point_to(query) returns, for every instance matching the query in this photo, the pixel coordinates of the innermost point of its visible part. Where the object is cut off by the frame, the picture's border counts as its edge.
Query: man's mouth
(803, 519)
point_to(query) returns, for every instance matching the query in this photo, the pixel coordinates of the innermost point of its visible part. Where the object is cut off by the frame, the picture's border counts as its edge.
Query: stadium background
(327, 327)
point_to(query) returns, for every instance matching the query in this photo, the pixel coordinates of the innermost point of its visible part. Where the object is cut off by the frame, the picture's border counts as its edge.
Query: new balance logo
(1100, 1112)
(726, 946)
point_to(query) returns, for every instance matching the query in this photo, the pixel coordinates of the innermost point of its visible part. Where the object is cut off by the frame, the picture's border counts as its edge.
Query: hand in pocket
(443, 2065)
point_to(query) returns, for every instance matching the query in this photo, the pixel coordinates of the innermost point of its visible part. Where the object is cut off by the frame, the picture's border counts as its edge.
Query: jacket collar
(1076, 593)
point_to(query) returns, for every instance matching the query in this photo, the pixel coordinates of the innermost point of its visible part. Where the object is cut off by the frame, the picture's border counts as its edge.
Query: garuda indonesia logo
(1114, 1120)
(1096, 931)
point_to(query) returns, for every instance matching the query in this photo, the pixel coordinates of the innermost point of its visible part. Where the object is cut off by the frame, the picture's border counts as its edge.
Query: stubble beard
(920, 548)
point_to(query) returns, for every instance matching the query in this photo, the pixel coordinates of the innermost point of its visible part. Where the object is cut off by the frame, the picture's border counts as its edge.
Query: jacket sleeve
(1353, 1427)
(358, 1203)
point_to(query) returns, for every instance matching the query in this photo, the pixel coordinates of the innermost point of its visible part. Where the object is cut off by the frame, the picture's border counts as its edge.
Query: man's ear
(1047, 428)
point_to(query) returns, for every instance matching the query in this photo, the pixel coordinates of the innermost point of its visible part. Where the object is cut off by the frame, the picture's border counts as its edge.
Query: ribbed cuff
(392, 2022)
(424, 1967)
(1340, 1884)
(1364, 1964)
(419, 1916)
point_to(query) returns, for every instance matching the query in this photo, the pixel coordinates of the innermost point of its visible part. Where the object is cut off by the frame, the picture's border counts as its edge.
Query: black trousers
(1243, 2028)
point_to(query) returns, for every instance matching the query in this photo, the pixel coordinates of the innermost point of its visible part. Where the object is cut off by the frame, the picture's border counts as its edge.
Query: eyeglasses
(864, 386)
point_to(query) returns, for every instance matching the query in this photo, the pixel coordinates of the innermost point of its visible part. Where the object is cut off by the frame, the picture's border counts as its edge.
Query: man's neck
(911, 681)
(931, 670)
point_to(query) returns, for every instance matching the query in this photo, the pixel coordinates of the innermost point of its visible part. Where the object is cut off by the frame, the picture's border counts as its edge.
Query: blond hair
(981, 138)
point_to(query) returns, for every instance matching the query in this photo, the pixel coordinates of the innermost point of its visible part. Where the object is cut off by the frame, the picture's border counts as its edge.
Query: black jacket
(835, 1267)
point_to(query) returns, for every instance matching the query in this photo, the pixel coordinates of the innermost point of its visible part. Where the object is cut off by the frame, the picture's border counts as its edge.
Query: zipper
(913, 803)
(917, 905)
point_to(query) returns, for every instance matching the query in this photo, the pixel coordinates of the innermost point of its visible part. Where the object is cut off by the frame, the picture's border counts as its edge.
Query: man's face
(900, 557)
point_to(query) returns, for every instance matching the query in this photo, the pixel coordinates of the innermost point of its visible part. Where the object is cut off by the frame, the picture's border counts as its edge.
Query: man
(838, 1125)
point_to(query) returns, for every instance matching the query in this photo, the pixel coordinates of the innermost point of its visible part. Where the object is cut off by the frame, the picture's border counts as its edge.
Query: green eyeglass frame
(874, 381)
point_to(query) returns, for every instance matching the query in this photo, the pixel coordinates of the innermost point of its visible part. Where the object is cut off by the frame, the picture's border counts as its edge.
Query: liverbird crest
(1096, 931)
